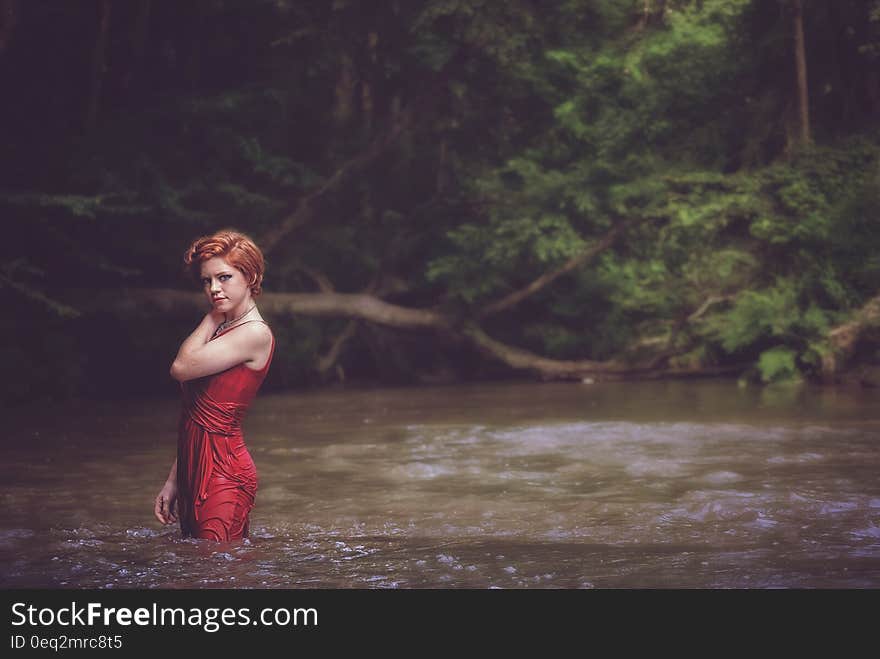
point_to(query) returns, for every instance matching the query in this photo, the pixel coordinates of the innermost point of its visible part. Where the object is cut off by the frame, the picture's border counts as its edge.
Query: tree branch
(321, 280)
(56, 307)
(546, 279)
(306, 207)
(711, 301)
(327, 361)
(520, 359)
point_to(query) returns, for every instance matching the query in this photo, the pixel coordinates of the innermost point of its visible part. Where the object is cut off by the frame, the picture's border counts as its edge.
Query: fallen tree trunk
(843, 339)
(366, 307)
(583, 369)
(329, 305)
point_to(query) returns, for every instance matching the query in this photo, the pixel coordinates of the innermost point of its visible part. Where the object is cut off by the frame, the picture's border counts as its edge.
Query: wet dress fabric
(216, 477)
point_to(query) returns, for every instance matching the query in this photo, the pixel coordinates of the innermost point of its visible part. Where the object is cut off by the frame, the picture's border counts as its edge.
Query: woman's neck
(240, 311)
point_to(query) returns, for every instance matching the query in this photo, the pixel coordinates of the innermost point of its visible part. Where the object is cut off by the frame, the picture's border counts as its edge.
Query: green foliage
(777, 364)
(526, 134)
(502, 30)
(755, 315)
(74, 205)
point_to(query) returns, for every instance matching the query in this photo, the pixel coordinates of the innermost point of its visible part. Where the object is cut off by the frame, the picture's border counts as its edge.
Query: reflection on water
(684, 485)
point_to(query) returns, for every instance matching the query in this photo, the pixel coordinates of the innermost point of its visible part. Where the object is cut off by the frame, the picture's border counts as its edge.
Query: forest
(445, 190)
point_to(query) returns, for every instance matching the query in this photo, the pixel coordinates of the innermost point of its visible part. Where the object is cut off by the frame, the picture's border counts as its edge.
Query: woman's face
(224, 285)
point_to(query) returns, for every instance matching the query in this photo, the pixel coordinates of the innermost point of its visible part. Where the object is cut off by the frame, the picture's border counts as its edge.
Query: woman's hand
(214, 318)
(166, 504)
(210, 323)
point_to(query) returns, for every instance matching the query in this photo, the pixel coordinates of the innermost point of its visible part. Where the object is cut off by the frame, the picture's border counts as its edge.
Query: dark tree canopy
(445, 188)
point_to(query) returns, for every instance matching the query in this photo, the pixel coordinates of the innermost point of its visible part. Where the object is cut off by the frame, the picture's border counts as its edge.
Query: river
(685, 484)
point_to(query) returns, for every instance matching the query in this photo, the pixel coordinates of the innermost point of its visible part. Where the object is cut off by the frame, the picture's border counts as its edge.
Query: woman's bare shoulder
(258, 329)
(260, 337)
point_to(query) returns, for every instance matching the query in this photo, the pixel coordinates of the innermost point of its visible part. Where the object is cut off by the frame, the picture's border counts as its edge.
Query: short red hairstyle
(236, 248)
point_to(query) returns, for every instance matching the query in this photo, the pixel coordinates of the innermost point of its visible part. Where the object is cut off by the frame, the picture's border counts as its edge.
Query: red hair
(236, 248)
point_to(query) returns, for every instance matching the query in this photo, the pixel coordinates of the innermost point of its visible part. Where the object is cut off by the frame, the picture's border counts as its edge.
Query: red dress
(216, 477)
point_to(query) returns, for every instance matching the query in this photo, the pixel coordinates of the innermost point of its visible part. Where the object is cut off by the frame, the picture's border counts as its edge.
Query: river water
(698, 484)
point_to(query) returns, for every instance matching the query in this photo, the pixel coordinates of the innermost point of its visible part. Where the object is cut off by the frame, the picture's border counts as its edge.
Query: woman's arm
(165, 507)
(199, 356)
(198, 339)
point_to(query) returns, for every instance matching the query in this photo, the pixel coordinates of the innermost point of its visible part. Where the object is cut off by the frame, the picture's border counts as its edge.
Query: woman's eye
(224, 277)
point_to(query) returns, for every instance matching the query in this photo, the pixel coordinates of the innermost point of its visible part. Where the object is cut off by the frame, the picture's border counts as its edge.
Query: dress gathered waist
(216, 417)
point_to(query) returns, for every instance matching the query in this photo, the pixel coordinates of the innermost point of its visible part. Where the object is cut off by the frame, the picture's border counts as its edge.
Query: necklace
(228, 323)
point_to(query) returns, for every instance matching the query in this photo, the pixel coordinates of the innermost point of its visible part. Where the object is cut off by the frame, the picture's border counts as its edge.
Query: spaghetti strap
(255, 320)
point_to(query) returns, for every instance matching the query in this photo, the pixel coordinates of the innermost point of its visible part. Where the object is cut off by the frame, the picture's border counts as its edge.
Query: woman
(220, 366)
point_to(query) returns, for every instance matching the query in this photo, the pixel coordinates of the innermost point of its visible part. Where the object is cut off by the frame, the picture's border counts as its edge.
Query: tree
(800, 57)
(594, 191)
